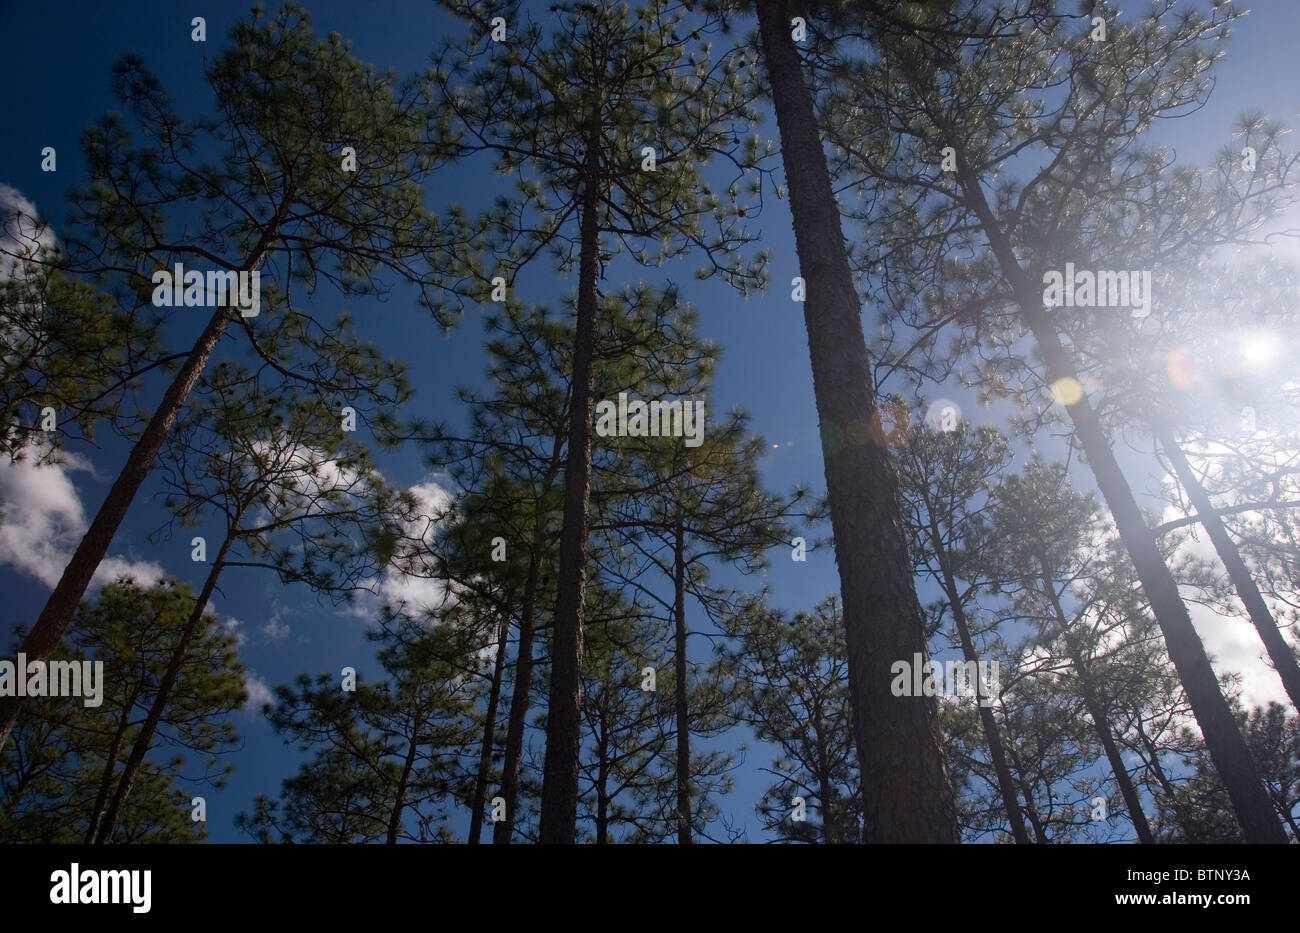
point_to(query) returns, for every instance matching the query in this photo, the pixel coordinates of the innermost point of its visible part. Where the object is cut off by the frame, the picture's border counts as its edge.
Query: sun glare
(1259, 348)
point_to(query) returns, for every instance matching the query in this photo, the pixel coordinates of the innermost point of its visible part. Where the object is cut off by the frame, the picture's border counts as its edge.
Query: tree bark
(1126, 787)
(110, 763)
(1279, 652)
(559, 817)
(826, 790)
(997, 754)
(1154, 762)
(1166, 786)
(1290, 821)
(1097, 712)
(1040, 831)
(907, 795)
(519, 702)
(682, 709)
(1227, 746)
(62, 604)
(602, 780)
(399, 796)
(522, 698)
(489, 733)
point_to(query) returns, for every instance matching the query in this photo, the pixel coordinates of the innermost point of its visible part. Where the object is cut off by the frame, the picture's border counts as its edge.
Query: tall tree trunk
(1040, 831)
(602, 780)
(519, 702)
(559, 817)
(489, 733)
(1030, 811)
(1158, 772)
(1279, 652)
(63, 601)
(907, 794)
(1097, 711)
(1227, 746)
(825, 789)
(522, 696)
(403, 782)
(1153, 762)
(997, 754)
(144, 739)
(680, 693)
(110, 765)
(1101, 721)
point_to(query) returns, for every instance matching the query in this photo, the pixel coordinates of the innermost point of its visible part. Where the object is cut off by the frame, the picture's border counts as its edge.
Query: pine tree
(296, 495)
(629, 772)
(982, 104)
(944, 477)
(288, 103)
(1193, 811)
(65, 346)
(67, 760)
(794, 693)
(670, 507)
(570, 116)
(907, 795)
(507, 463)
(388, 759)
(1044, 531)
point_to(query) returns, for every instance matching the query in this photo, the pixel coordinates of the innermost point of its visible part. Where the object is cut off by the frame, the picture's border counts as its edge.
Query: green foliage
(294, 492)
(1198, 810)
(613, 78)
(389, 759)
(792, 675)
(65, 755)
(65, 346)
(628, 769)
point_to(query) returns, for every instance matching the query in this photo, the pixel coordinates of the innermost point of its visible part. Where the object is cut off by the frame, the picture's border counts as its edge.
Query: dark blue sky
(56, 64)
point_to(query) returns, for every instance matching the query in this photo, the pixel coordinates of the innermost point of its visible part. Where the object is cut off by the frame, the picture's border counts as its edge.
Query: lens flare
(1184, 372)
(1067, 391)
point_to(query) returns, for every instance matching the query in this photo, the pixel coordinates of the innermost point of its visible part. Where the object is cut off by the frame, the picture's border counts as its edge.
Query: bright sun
(1259, 348)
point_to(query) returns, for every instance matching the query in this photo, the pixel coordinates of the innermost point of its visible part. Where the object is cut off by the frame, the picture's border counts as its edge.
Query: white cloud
(44, 520)
(311, 475)
(143, 572)
(234, 628)
(274, 628)
(1232, 642)
(415, 592)
(420, 592)
(259, 693)
(433, 497)
(1235, 646)
(20, 231)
